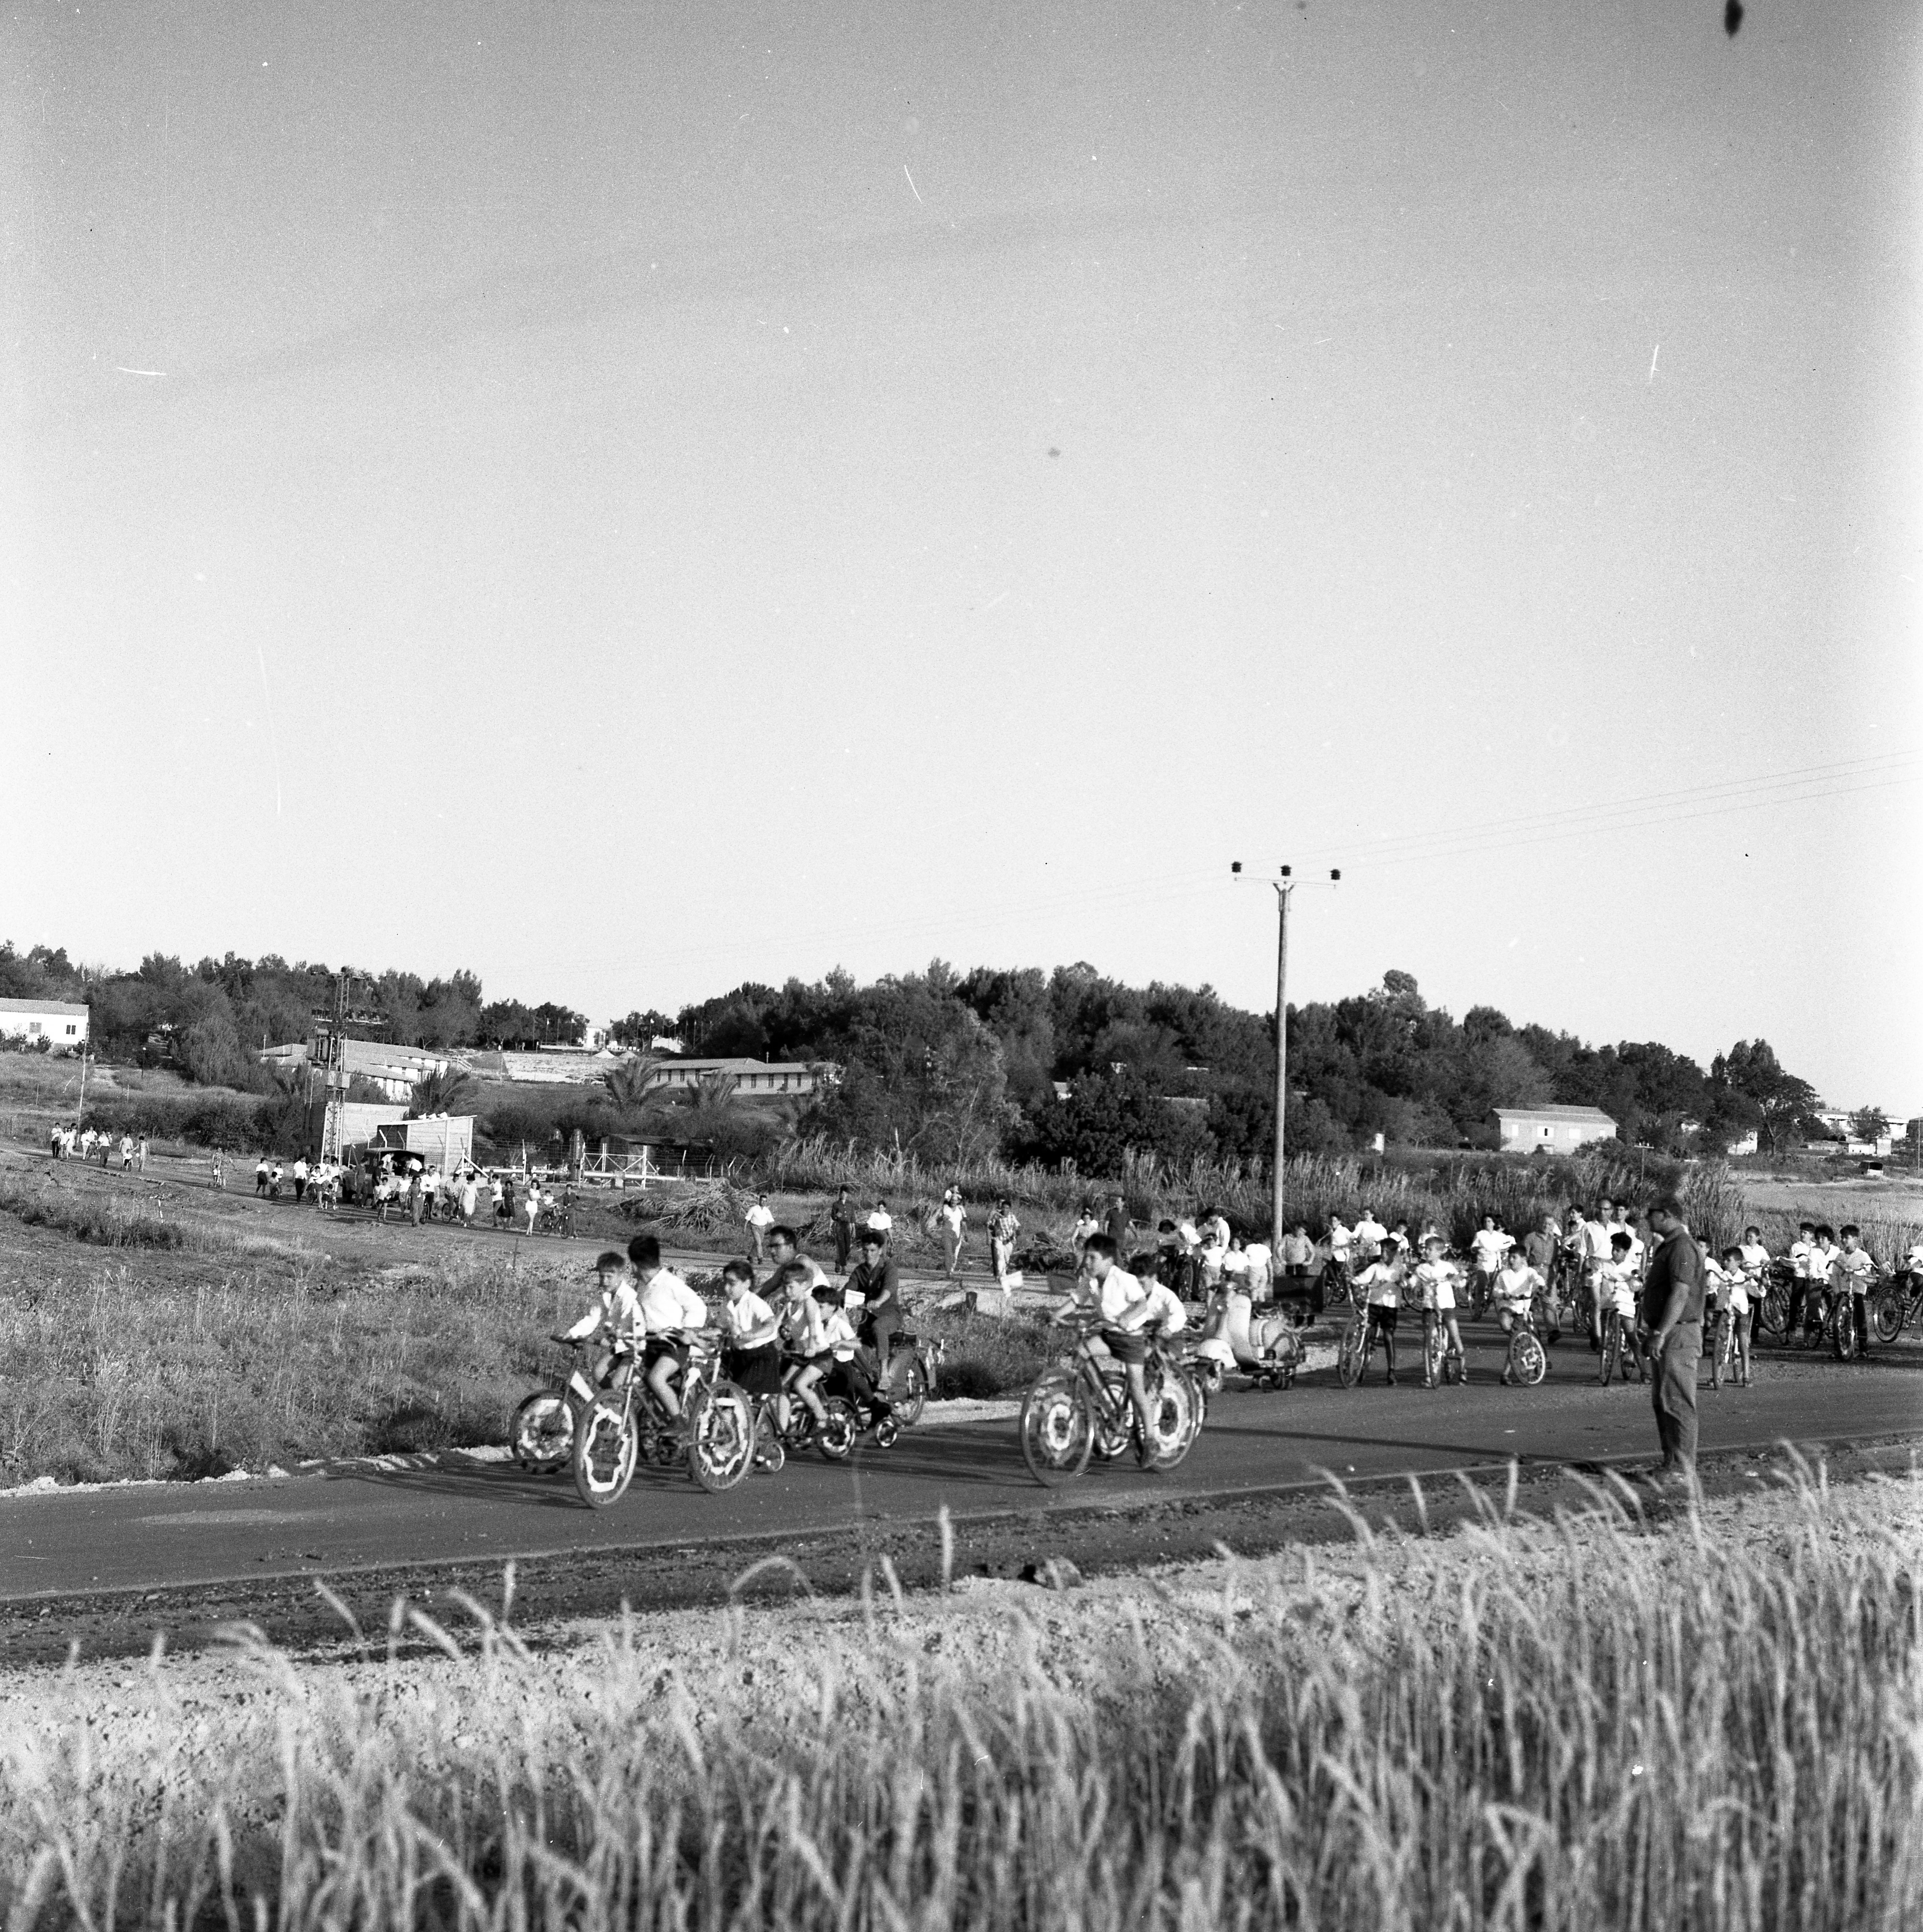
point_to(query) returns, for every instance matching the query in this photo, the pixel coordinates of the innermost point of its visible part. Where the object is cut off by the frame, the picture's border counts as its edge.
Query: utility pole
(1284, 886)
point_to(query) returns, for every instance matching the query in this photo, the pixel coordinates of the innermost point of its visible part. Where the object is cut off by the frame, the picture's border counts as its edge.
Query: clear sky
(628, 499)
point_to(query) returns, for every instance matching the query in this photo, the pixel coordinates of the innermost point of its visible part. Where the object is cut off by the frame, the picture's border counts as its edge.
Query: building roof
(41, 1007)
(1553, 1113)
(735, 1066)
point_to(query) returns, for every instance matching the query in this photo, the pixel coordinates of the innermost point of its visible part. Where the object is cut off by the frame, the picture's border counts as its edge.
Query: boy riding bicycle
(1103, 1286)
(616, 1318)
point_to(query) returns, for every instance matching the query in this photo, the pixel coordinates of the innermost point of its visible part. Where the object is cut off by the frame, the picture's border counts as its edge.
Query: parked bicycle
(1080, 1410)
(1897, 1303)
(1619, 1341)
(714, 1433)
(1352, 1351)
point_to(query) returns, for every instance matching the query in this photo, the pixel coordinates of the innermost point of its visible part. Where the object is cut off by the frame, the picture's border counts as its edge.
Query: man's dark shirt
(1539, 1251)
(842, 1214)
(1678, 1259)
(1118, 1227)
(880, 1284)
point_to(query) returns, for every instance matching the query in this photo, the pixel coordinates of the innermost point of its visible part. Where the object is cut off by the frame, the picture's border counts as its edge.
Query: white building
(1554, 1130)
(59, 1022)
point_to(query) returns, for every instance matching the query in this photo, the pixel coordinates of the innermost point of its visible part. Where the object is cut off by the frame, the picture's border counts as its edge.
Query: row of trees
(1063, 1066)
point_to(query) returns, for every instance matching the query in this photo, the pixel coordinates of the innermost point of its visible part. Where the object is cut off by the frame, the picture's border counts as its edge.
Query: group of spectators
(75, 1142)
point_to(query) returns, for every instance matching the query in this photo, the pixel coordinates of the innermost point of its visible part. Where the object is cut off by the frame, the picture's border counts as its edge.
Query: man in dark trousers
(841, 1220)
(876, 1280)
(1115, 1224)
(1673, 1293)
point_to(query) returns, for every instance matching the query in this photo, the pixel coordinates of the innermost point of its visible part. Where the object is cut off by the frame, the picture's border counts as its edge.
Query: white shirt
(1339, 1238)
(880, 1218)
(953, 1213)
(1854, 1267)
(1515, 1286)
(1369, 1232)
(1262, 1263)
(747, 1314)
(619, 1314)
(1235, 1261)
(1490, 1245)
(1755, 1259)
(1436, 1281)
(1117, 1292)
(667, 1302)
(759, 1216)
(1384, 1286)
(1619, 1279)
(1160, 1303)
(1802, 1258)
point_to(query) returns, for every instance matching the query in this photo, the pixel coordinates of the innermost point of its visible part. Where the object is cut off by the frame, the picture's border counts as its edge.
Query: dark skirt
(755, 1371)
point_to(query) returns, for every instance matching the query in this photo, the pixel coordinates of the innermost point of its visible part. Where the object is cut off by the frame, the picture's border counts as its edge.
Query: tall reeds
(1533, 1730)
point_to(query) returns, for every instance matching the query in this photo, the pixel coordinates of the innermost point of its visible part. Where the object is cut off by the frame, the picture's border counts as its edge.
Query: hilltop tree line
(1063, 1066)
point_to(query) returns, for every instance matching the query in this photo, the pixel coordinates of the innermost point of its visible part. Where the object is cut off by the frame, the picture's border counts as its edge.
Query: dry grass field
(1712, 1718)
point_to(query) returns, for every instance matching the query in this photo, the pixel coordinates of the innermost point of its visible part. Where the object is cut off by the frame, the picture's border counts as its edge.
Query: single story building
(62, 1024)
(753, 1078)
(1554, 1130)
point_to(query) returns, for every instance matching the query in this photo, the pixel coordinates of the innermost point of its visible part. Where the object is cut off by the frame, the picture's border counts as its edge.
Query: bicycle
(1352, 1351)
(1840, 1325)
(1898, 1303)
(715, 1432)
(1619, 1332)
(1082, 1409)
(1440, 1363)
(1772, 1307)
(541, 1435)
(909, 1376)
(1527, 1361)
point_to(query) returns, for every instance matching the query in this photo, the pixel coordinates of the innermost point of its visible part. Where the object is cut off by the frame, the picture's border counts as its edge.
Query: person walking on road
(1673, 1296)
(1116, 1225)
(1002, 1229)
(841, 1220)
(758, 1220)
(954, 1218)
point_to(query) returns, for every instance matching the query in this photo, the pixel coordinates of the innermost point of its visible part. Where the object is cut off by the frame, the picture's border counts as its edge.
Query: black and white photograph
(962, 968)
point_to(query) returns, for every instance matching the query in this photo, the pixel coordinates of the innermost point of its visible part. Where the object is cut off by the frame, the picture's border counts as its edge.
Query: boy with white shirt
(1381, 1283)
(1370, 1235)
(1104, 1286)
(1617, 1282)
(753, 1353)
(1436, 1290)
(1852, 1272)
(667, 1305)
(615, 1319)
(1489, 1244)
(1802, 1259)
(1334, 1284)
(1736, 1273)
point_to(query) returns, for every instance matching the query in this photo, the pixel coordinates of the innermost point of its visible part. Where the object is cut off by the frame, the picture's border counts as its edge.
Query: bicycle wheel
(835, 1438)
(1888, 1315)
(1173, 1423)
(907, 1388)
(1611, 1352)
(771, 1454)
(1114, 1415)
(1528, 1360)
(605, 1443)
(1773, 1314)
(721, 1437)
(542, 1433)
(1056, 1428)
(1348, 1359)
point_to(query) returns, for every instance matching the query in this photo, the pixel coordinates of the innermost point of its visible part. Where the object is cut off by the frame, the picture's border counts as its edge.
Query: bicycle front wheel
(1058, 1428)
(908, 1389)
(721, 1437)
(1173, 1422)
(1528, 1360)
(542, 1433)
(1348, 1360)
(1888, 1314)
(606, 1442)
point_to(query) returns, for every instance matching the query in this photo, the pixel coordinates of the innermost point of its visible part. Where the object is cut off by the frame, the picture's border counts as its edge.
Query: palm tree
(629, 1084)
(452, 1092)
(714, 1089)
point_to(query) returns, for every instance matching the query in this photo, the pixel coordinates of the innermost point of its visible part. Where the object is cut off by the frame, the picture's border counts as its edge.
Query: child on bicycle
(1436, 1276)
(1518, 1283)
(615, 1319)
(1736, 1272)
(1618, 1281)
(814, 1332)
(1850, 1272)
(1381, 1283)
(1104, 1287)
(668, 1307)
(754, 1352)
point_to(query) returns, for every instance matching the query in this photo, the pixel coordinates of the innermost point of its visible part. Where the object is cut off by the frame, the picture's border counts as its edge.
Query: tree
(627, 1086)
(452, 1092)
(1869, 1123)
(640, 1029)
(1786, 1106)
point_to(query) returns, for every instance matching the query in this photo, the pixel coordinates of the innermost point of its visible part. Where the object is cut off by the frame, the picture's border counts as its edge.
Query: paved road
(362, 1518)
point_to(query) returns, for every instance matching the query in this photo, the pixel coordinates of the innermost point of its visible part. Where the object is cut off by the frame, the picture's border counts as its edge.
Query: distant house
(1554, 1130)
(753, 1078)
(395, 1070)
(62, 1024)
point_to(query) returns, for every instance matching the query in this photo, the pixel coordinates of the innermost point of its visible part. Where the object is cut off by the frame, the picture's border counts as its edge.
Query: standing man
(1116, 1226)
(759, 1220)
(1002, 1229)
(1672, 1293)
(841, 1220)
(954, 1218)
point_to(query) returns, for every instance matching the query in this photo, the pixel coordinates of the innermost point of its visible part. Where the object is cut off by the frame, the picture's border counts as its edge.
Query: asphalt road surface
(361, 1518)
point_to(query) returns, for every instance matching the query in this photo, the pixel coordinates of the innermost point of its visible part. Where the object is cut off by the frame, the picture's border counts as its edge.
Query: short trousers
(655, 1347)
(1132, 1349)
(1382, 1318)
